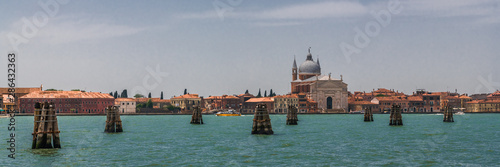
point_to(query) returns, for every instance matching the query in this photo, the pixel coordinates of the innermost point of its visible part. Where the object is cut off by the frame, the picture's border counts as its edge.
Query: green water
(318, 140)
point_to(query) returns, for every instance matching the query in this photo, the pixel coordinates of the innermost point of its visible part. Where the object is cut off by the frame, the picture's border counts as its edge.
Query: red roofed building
(250, 104)
(68, 101)
(222, 102)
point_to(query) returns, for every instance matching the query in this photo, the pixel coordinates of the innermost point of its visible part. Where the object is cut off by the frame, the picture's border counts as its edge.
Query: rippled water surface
(318, 140)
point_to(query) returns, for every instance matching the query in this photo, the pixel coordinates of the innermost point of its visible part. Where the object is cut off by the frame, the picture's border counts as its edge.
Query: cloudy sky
(227, 46)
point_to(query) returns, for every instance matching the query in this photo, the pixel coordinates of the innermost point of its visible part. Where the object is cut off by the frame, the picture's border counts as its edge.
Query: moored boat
(228, 113)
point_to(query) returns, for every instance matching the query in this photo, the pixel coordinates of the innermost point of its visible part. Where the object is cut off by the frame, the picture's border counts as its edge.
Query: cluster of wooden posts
(196, 118)
(291, 115)
(448, 114)
(261, 121)
(46, 131)
(113, 120)
(368, 115)
(395, 118)
(45, 128)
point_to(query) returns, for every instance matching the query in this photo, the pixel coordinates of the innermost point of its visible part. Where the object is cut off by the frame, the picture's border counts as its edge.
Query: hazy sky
(227, 46)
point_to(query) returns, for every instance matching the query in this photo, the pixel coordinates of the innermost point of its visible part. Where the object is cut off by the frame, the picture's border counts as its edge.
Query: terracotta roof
(247, 94)
(415, 98)
(495, 94)
(260, 99)
(287, 96)
(222, 97)
(124, 99)
(452, 97)
(465, 97)
(66, 94)
(20, 90)
(362, 102)
(186, 96)
(383, 90)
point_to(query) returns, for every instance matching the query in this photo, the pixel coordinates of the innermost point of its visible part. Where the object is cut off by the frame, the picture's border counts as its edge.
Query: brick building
(222, 102)
(68, 101)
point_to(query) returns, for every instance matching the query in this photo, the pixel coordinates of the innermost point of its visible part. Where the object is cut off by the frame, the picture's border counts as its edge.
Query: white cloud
(452, 8)
(292, 12)
(315, 11)
(277, 24)
(72, 29)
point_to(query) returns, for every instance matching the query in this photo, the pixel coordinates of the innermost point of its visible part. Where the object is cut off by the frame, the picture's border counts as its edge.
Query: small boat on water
(228, 113)
(460, 113)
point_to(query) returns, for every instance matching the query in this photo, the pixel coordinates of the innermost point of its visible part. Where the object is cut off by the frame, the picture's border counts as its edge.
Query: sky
(216, 47)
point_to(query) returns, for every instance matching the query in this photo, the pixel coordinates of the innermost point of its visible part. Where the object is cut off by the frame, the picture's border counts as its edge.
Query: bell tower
(294, 70)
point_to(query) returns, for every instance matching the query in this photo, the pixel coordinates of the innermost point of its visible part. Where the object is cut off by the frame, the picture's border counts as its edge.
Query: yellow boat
(228, 113)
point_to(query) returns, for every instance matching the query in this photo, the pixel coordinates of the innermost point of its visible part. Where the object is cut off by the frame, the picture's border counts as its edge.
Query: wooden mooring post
(396, 119)
(291, 116)
(113, 120)
(448, 113)
(261, 121)
(368, 115)
(196, 118)
(45, 127)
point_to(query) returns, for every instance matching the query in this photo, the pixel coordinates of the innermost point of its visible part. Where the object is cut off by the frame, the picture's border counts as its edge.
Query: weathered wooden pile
(45, 128)
(261, 121)
(291, 116)
(448, 113)
(113, 121)
(196, 118)
(396, 119)
(368, 115)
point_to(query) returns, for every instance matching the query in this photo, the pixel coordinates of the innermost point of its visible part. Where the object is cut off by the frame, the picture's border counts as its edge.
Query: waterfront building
(282, 102)
(329, 93)
(360, 105)
(6, 104)
(126, 105)
(222, 102)
(186, 102)
(68, 101)
(250, 105)
(490, 104)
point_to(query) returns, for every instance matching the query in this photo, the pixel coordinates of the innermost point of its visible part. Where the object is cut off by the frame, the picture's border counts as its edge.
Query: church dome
(309, 67)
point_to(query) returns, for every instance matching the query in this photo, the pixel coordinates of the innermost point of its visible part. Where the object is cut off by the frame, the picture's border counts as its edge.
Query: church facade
(329, 93)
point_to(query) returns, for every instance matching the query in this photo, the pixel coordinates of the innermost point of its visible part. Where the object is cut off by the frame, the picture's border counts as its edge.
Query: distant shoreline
(127, 114)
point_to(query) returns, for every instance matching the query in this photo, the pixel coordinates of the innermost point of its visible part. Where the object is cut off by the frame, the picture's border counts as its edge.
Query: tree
(111, 93)
(185, 91)
(161, 95)
(138, 96)
(149, 95)
(259, 95)
(124, 94)
(50, 89)
(246, 92)
(149, 104)
(116, 94)
(265, 93)
(271, 93)
(75, 89)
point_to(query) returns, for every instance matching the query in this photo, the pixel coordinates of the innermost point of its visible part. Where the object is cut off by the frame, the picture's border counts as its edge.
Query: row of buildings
(311, 92)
